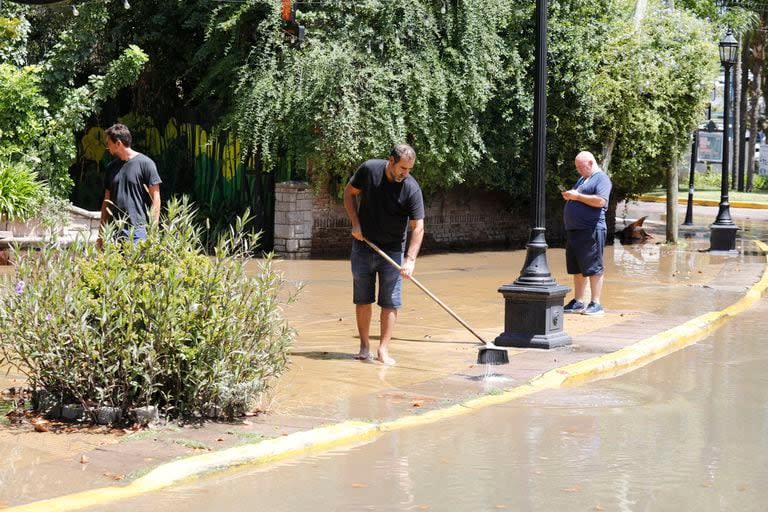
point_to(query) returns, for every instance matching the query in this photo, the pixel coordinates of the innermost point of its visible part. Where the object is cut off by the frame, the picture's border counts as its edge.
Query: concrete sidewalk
(657, 299)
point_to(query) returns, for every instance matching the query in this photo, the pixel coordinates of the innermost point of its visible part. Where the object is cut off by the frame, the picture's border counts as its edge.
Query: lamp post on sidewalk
(722, 233)
(533, 304)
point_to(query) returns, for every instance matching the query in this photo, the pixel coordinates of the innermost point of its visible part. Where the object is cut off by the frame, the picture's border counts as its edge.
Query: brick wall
(462, 218)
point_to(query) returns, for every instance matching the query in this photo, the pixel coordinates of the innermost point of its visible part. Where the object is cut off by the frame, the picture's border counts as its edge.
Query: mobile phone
(562, 188)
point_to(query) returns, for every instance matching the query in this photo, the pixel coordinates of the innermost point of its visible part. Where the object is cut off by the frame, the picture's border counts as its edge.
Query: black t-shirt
(385, 207)
(127, 182)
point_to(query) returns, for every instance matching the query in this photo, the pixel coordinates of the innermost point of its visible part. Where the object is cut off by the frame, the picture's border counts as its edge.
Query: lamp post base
(533, 316)
(722, 238)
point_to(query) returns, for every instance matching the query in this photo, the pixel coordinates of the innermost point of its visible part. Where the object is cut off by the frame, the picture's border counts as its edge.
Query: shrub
(20, 192)
(152, 323)
(759, 182)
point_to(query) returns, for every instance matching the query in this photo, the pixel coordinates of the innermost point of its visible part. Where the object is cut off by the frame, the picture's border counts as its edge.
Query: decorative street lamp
(533, 304)
(722, 233)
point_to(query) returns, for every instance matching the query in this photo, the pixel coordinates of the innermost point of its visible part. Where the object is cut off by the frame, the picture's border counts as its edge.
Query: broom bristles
(491, 354)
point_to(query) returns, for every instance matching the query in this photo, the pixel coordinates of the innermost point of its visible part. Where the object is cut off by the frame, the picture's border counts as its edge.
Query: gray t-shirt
(127, 182)
(578, 215)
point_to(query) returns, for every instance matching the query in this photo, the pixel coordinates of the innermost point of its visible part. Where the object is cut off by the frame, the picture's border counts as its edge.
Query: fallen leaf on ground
(84, 459)
(220, 439)
(356, 485)
(41, 426)
(114, 476)
(417, 403)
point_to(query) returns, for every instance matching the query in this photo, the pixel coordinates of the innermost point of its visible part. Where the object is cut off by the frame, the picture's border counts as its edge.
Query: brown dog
(634, 233)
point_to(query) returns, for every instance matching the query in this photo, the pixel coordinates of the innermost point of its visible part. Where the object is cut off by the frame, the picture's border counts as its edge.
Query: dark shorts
(584, 251)
(366, 265)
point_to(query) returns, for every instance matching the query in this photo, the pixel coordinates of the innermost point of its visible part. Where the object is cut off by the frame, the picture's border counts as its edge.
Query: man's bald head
(585, 163)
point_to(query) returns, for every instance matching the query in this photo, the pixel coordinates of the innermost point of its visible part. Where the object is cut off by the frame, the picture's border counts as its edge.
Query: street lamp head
(729, 49)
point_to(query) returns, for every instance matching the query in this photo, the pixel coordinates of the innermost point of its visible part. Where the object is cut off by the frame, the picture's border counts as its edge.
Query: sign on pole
(710, 147)
(762, 169)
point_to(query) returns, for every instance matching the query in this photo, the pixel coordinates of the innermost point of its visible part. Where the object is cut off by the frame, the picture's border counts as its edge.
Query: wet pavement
(679, 434)
(649, 288)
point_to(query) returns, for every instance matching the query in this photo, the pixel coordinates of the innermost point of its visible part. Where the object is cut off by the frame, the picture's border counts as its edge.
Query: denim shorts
(138, 233)
(366, 265)
(584, 251)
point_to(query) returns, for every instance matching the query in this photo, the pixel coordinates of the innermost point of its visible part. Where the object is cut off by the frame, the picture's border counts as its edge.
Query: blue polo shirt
(578, 215)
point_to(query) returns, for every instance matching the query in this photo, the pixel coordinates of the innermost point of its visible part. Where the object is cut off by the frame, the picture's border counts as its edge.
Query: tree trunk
(758, 59)
(640, 6)
(672, 195)
(738, 183)
(607, 153)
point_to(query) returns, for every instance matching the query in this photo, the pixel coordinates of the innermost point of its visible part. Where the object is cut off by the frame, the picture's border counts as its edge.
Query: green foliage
(13, 35)
(156, 322)
(42, 104)
(20, 192)
(372, 74)
(57, 148)
(577, 31)
(759, 182)
(22, 108)
(650, 91)
(453, 78)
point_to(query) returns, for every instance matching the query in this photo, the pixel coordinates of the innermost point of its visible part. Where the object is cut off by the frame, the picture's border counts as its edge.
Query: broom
(488, 353)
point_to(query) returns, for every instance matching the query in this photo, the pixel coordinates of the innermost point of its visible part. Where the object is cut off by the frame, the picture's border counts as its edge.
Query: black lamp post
(533, 304)
(722, 233)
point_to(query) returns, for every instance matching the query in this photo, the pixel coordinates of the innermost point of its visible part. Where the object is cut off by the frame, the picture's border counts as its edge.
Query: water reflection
(688, 432)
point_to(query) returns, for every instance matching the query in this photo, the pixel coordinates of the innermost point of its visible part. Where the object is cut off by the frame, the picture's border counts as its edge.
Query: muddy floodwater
(687, 432)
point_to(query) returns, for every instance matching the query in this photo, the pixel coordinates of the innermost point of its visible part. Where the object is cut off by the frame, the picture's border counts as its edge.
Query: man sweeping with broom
(390, 202)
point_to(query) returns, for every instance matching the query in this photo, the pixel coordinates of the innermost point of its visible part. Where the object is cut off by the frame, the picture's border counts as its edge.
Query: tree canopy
(451, 77)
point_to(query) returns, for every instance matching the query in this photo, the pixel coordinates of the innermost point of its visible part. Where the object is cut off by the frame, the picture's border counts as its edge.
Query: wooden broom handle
(424, 289)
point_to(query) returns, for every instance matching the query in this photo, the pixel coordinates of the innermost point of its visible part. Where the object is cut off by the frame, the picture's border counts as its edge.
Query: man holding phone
(585, 227)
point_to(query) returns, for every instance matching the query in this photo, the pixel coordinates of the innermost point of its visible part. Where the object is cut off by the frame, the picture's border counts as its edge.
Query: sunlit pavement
(649, 288)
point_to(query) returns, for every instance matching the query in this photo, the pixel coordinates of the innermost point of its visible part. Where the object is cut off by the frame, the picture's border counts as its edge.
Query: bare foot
(385, 359)
(363, 355)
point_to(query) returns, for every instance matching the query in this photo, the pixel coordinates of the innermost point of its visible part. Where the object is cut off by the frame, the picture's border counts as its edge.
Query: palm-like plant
(20, 191)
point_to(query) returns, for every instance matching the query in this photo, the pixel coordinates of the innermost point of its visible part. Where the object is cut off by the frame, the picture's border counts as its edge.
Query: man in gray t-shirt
(131, 185)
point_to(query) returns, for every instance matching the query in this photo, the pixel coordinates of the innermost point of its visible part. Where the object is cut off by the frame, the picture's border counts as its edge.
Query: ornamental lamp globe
(729, 49)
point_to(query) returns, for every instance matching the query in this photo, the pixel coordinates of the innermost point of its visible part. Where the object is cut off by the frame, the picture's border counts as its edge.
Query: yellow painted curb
(706, 202)
(347, 433)
(299, 443)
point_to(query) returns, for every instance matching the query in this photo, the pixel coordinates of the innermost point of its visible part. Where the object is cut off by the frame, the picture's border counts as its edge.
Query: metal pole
(689, 210)
(536, 270)
(722, 233)
(724, 212)
(533, 304)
